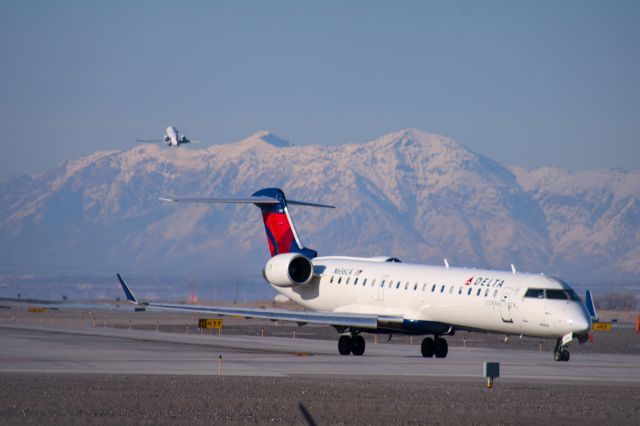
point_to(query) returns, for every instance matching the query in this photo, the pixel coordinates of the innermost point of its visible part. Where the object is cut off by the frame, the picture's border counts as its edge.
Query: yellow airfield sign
(210, 323)
(601, 326)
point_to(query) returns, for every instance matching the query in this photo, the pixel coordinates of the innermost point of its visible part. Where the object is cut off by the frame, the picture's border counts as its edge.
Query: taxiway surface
(43, 349)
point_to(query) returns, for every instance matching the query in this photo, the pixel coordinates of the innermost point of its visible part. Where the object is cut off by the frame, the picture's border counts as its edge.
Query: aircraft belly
(469, 316)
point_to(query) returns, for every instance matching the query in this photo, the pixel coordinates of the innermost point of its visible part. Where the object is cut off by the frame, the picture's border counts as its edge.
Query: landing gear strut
(351, 344)
(437, 346)
(561, 353)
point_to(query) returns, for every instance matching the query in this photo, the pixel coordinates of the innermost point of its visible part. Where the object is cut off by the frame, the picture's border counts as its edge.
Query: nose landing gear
(561, 351)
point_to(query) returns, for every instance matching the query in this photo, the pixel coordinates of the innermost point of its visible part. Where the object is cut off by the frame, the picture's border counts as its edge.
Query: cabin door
(506, 305)
(381, 285)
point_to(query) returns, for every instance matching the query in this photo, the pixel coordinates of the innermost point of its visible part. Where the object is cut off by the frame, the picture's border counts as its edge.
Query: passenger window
(460, 290)
(478, 293)
(339, 280)
(355, 282)
(406, 285)
(390, 284)
(451, 290)
(364, 282)
(424, 286)
(347, 282)
(495, 293)
(486, 292)
(442, 289)
(398, 285)
(469, 292)
(433, 289)
(331, 280)
(415, 287)
(382, 284)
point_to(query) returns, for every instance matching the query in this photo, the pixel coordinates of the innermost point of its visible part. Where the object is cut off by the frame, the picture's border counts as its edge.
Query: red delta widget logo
(485, 282)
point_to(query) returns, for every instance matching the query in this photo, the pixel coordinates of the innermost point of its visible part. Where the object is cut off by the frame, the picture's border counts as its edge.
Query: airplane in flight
(383, 295)
(171, 137)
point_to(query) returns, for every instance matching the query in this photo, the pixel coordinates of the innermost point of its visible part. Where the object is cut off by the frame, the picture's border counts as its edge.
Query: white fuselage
(172, 137)
(472, 299)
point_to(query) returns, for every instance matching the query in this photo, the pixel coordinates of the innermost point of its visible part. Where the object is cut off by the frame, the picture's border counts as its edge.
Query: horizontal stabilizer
(304, 203)
(246, 200)
(281, 234)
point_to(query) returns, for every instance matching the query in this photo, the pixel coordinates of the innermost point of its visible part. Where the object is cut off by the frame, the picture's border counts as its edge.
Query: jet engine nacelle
(288, 270)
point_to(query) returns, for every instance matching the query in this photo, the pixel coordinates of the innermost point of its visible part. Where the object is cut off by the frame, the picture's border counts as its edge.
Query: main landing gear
(561, 353)
(351, 344)
(354, 344)
(436, 346)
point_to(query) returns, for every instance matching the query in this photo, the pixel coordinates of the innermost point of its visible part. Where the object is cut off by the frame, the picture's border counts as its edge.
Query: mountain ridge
(414, 195)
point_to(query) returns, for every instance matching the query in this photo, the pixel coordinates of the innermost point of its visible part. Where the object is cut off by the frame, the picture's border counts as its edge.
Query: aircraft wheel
(557, 355)
(358, 345)
(428, 347)
(345, 345)
(442, 348)
(562, 354)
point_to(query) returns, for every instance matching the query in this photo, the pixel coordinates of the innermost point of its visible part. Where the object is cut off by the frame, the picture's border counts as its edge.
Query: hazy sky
(528, 83)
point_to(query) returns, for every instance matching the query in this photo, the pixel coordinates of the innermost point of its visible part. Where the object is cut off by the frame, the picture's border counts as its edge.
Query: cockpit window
(556, 294)
(552, 293)
(536, 293)
(572, 295)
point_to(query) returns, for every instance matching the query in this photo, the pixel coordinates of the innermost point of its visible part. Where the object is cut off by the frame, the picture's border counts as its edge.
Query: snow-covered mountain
(417, 196)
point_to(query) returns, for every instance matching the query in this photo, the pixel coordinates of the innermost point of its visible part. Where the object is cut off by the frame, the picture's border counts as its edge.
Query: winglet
(130, 296)
(591, 307)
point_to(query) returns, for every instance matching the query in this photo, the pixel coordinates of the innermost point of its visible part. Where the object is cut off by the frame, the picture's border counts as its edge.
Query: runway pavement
(55, 349)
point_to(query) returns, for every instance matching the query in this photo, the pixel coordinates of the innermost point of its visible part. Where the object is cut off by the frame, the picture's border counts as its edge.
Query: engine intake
(288, 270)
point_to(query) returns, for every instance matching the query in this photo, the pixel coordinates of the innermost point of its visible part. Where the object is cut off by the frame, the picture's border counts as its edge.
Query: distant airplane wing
(300, 317)
(150, 140)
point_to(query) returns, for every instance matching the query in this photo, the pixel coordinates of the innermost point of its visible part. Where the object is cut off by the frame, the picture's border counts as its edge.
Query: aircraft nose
(581, 323)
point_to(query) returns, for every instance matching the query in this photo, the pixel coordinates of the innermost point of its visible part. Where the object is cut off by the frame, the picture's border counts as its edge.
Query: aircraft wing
(150, 140)
(300, 317)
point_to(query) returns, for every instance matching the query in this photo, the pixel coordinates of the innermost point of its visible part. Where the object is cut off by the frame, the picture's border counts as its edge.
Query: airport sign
(601, 326)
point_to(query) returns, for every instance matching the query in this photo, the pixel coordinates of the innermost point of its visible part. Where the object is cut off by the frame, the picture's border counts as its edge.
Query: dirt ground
(125, 400)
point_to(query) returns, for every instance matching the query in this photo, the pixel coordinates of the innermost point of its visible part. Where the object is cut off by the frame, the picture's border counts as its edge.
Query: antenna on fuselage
(446, 263)
(513, 269)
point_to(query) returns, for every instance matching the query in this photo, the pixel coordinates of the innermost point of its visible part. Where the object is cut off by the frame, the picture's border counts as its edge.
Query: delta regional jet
(171, 137)
(384, 295)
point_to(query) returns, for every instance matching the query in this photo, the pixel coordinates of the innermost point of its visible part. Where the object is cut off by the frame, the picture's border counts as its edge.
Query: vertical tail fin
(591, 307)
(281, 234)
